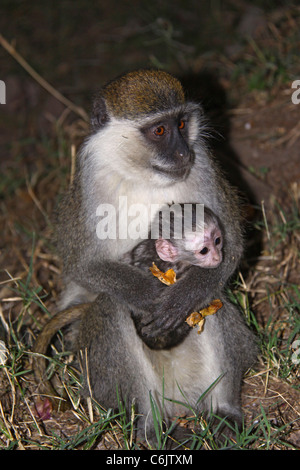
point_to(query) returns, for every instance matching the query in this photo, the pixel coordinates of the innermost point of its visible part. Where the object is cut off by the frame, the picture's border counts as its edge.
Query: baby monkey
(200, 245)
(201, 248)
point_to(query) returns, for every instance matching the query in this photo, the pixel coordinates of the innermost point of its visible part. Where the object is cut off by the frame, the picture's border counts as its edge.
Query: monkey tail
(57, 322)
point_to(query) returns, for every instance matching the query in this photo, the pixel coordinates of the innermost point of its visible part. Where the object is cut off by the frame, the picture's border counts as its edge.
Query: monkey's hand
(165, 324)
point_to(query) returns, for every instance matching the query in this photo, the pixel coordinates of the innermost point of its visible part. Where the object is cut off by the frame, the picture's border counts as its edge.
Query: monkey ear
(99, 115)
(166, 250)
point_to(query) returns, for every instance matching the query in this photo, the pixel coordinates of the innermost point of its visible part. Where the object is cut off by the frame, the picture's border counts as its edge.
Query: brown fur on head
(142, 92)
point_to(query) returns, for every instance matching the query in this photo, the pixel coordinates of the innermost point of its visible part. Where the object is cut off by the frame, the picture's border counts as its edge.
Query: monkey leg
(118, 364)
(233, 348)
(115, 365)
(206, 370)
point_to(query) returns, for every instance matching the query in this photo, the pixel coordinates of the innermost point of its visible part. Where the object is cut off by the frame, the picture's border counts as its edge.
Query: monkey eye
(217, 241)
(159, 131)
(181, 124)
(204, 251)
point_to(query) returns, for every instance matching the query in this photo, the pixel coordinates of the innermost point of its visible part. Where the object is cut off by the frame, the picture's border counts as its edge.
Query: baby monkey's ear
(166, 250)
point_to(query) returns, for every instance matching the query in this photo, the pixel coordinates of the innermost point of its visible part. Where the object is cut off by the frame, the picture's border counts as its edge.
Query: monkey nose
(182, 155)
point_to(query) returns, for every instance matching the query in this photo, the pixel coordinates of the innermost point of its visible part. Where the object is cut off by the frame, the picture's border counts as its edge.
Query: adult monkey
(147, 145)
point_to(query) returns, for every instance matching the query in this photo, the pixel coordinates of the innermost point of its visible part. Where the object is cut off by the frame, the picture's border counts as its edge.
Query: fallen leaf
(43, 408)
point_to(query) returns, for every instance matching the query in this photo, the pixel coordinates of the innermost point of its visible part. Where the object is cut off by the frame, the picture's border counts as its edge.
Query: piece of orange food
(169, 277)
(195, 318)
(198, 318)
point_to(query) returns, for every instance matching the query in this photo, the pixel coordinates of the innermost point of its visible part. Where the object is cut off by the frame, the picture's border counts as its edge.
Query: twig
(89, 399)
(265, 218)
(73, 163)
(36, 201)
(12, 51)
(280, 395)
(6, 422)
(4, 322)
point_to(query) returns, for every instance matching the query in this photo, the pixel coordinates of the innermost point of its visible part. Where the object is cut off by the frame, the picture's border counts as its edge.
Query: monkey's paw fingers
(162, 321)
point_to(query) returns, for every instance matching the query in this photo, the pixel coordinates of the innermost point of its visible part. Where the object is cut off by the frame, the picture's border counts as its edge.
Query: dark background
(239, 60)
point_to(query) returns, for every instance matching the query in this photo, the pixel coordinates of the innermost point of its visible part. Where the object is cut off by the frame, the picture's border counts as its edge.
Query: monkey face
(203, 248)
(171, 153)
(209, 254)
(145, 128)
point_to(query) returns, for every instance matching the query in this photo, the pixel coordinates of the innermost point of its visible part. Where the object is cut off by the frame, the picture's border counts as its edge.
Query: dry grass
(268, 293)
(38, 169)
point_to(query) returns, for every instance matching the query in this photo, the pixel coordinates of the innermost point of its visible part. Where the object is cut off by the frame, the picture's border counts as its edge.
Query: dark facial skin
(173, 155)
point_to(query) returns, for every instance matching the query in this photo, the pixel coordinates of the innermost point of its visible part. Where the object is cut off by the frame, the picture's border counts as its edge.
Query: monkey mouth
(180, 173)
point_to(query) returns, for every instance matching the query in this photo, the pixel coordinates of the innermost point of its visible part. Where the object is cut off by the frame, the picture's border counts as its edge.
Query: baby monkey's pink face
(207, 250)
(202, 249)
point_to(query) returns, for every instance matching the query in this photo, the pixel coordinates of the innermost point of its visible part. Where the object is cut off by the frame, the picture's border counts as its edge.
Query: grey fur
(135, 330)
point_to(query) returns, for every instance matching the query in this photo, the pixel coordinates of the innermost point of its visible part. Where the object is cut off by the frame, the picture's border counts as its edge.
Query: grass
(268, 294)
(267, 289)
(277, 333)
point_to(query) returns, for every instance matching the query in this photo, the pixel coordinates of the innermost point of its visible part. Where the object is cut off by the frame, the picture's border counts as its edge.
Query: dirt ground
(259, 149)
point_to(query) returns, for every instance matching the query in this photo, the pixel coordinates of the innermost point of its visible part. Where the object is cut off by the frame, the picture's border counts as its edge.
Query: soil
(259, 152)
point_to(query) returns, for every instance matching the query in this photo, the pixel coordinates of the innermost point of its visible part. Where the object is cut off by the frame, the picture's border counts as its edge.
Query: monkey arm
(195, 290)
(159, 311)
(128, 284)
